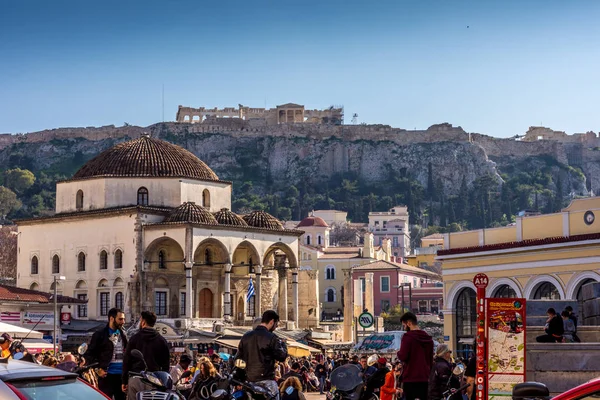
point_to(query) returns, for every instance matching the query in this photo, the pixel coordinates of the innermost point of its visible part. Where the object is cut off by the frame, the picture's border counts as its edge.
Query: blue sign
(446, 338)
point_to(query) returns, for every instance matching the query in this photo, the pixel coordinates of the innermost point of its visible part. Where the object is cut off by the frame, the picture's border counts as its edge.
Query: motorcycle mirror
(458, 370)
(239, 363)
(82, 348)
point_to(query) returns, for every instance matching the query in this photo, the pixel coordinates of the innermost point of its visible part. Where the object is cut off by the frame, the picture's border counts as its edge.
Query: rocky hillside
(359, 168)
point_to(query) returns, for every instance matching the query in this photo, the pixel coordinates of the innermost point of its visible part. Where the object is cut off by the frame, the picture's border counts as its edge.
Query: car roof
(19, 370)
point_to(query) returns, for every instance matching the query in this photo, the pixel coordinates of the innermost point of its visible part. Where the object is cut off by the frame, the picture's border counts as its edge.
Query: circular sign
(589, 217)
(366, 320)
(480, 281)
(65, 317)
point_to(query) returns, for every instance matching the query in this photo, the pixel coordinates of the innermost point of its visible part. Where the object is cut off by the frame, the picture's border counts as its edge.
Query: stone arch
(330, 294)
(535, 282)
(118, 282)
(81, 284)
(330, 272)
(455, 290)
(497, 283)
(142, 196)
(58, 286)
(576, 281)
(34, 286)
(103, 283)
(172, 256)
(211, 252)
(161, 282)
(246, 254)
(281, 248)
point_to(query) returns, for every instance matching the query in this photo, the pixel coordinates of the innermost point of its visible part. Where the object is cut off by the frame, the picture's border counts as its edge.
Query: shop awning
(297, 349)
(331, 344)
(17, 332)
(231, 343)
(35, 346)
(466, 341)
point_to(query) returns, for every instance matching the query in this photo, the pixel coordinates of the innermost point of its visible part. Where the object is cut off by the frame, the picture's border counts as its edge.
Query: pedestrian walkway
(314, 396)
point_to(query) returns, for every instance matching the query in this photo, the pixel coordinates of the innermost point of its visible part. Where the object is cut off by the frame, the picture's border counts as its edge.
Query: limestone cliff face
(246, 150)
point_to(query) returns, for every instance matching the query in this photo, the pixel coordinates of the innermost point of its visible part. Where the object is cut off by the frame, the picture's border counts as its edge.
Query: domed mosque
(146, 225)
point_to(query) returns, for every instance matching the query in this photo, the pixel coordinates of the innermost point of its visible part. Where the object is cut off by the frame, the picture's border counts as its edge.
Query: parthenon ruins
(285, 113)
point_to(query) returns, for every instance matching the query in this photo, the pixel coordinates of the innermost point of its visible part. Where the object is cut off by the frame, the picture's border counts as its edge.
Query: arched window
(56, 264)
(119, 300)
(205, 198)
(118, 259)
(308, 240)
(505, 291)
(161, 260)
(34, 286)
(81, 262)
(330, 295)
(34, 265)
(546, 291)
(466, 321)
(103, 260)
(330, 272)
(207, 257)
(579, 296)
(142, 196)
(319, 240)
(79, 200)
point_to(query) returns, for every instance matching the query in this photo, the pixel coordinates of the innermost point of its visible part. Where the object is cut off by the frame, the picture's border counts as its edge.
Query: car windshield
(57, 390)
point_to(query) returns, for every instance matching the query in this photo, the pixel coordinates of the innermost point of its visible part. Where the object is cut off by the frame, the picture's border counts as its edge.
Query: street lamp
(56, 278)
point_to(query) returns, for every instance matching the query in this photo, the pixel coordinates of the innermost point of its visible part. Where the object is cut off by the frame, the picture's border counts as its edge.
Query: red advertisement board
(505, 345)
(481, 282)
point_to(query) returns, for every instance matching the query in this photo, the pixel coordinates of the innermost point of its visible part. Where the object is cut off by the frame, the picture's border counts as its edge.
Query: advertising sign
(46, 319)
(480, 281)
(505, 345)
(381, 343)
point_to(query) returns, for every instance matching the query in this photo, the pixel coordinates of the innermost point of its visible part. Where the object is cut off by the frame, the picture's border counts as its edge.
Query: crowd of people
(416, 373)
(560, 328)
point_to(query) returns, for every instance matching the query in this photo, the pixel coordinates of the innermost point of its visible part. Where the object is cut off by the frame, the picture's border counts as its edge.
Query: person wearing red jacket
(416, 352)
(390, 390)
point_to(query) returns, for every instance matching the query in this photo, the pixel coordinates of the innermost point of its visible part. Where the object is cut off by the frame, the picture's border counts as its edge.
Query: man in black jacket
(554, 328)
(106, 348)
(260, 348)
(156, 353)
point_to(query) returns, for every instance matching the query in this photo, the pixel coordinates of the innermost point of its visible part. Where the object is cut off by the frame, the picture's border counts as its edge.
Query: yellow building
(424, 256)
(539, 257)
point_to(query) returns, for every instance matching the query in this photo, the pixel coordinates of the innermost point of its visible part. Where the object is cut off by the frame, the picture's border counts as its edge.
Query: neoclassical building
(147, 225)
(542, 257)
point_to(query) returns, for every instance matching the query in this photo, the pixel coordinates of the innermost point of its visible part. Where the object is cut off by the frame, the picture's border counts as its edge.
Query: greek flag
(250, 291)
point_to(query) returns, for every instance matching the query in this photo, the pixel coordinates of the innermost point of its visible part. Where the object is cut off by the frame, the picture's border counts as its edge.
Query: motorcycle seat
(528, 390)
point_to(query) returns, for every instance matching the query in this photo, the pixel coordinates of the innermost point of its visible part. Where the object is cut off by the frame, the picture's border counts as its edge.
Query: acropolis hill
(291, 150)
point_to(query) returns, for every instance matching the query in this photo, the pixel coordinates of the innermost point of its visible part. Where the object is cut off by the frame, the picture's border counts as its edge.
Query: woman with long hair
(291, 389)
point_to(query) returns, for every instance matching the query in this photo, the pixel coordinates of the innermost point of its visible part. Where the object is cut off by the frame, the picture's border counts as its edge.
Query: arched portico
(534, 283)
(164, 255)
(282, 258)
(498, 284)
(211, 261)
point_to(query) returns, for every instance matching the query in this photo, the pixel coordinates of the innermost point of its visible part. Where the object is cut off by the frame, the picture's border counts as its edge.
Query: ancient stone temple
(147, 225)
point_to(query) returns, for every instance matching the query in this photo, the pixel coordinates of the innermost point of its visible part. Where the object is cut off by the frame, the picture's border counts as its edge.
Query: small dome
(261, 219)
(146, 157)
(227, 217)
(192, 213)
(312, 221)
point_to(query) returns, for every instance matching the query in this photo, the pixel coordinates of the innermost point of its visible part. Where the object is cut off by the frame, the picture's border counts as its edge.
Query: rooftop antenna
(354, 119)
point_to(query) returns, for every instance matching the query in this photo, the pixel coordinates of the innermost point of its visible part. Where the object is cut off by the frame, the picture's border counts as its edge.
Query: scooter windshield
(346, 377)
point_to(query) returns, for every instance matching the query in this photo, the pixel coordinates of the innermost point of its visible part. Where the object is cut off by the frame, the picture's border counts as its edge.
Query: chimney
(368, 248)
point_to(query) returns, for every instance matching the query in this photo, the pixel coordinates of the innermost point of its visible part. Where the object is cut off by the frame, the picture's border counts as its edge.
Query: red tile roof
(313, 221)
(523, 243)
(16, 294)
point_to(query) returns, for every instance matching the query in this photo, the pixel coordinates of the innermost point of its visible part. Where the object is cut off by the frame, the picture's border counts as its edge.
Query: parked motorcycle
(236, 387)
(346, 383)
(161, 381)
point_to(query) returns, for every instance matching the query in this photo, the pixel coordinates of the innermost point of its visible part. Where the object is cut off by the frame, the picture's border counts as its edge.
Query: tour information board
(505, 345)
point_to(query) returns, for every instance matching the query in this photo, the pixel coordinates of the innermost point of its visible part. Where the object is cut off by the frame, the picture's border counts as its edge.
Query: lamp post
(56, 278)
(402, 286)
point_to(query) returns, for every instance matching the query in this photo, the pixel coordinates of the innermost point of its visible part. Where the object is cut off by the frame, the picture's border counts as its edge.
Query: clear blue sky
(493, 67)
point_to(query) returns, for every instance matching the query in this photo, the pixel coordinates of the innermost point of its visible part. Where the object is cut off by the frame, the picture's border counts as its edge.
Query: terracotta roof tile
(17, 294)
(192, 213)
(146, 157)
(261, 219)
(228, 217)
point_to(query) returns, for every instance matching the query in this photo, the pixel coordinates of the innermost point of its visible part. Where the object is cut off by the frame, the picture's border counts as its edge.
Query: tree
(8, 201)
(462, 201)
(18, 180)
(342, 234)
(430, 184)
